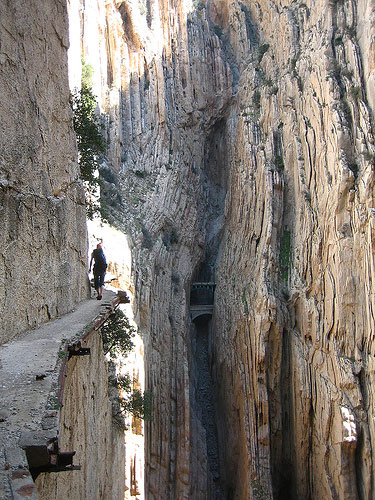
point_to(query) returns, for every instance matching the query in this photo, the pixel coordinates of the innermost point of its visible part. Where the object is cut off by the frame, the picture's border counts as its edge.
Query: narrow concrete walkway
(28, 370)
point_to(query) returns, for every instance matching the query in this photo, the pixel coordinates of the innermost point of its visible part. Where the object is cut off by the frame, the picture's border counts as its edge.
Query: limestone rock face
(87, 427)
(300, 335)
(43, 231)
(241, 151)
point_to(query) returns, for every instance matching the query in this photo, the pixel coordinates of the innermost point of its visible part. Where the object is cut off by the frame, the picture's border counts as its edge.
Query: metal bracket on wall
(43, 454)
(76, 349)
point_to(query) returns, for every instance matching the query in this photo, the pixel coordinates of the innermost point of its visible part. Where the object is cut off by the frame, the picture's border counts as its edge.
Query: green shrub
(279, 162)
(346, 110)
(87, 73)
(262, 50)
(351, 32)
(256, 100)
(117, 334)
(284, 257)
(355, 93)
(90, 142)
(132, 401)
(348, 73)
(338, 40)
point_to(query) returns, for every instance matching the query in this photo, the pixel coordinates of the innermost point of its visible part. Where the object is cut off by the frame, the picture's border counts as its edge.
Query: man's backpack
(100, 262)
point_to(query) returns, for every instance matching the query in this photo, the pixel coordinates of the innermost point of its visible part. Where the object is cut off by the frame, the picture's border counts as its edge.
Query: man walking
(100, 266)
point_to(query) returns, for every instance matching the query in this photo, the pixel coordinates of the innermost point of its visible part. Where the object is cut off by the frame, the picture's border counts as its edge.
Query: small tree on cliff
(117, 334)
(132, 401)
(90, 142)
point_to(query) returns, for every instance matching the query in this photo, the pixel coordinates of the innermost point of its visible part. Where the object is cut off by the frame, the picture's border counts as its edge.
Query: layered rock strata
(240, 148)
(43, 228)
(158, 194)
(300, 363)
(245, 133)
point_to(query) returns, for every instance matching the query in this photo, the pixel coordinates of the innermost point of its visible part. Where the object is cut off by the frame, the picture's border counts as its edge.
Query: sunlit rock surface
(241, 136)
(241, 152)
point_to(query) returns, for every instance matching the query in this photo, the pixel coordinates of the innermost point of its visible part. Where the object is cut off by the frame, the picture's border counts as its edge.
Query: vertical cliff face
(241, 152)
(87, 427)
(162, 103)
(294, 352)
(43, 228)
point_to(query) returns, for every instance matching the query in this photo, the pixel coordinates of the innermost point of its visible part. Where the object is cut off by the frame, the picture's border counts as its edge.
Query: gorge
(240, 152)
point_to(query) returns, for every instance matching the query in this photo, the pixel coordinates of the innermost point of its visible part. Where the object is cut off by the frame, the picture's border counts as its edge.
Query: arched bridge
(201, 299)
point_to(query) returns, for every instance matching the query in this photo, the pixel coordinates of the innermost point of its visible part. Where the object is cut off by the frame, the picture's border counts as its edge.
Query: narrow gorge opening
(203, 389)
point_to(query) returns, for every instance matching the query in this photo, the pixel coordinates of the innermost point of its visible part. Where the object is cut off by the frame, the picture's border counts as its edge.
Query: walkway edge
(16, 459)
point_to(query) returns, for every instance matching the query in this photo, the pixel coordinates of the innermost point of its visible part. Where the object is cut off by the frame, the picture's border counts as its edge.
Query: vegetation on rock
(133, 401)
(90, 142)
(284, 258)
(117, 335)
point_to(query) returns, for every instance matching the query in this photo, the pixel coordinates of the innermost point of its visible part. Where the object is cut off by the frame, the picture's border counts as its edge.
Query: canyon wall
(87, 427)
(43, 261)
(294, 357)
(241, 150)
(161, 112)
